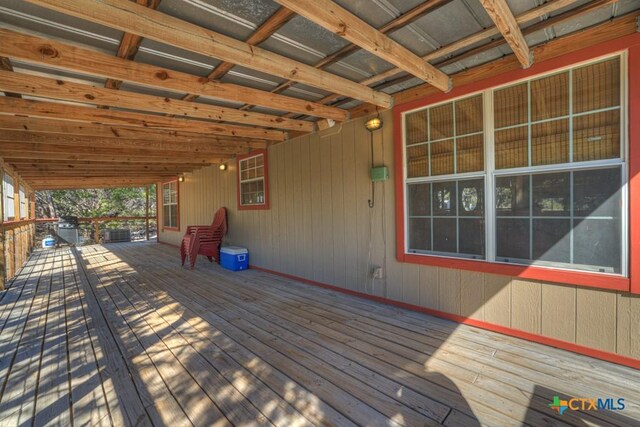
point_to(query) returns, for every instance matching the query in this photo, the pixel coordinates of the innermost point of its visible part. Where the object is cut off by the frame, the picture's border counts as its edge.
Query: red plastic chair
(204, 239)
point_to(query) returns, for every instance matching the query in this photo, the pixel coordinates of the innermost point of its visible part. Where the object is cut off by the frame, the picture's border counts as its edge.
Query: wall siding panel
(526, 297)
(596, 319)
(471, 294)
(321, 228)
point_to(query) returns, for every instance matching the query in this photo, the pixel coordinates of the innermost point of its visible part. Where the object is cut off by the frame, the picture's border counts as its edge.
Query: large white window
(445, 178)
(170, 204)
(530, 173)
(9, 198)
(23, 202)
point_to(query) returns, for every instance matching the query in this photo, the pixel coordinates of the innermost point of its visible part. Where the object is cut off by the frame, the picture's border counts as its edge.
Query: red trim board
(634, 166)
(564, 345)
(631, 43)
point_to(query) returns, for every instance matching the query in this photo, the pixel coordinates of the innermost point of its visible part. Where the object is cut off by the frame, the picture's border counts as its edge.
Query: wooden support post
(146, 191)
(16, 217)
(96, 231)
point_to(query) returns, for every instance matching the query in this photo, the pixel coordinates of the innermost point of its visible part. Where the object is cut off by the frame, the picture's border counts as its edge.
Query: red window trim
(265, 205)
(161, 197)
(631, 43)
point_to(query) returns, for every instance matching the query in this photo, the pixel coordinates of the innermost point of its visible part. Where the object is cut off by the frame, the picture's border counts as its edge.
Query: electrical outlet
(377, 272)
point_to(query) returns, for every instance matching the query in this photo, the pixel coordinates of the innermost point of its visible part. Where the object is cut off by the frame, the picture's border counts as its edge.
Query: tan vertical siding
(321, 228)
(596, 319)
(472, 294)
(526, 298)
(497, 299)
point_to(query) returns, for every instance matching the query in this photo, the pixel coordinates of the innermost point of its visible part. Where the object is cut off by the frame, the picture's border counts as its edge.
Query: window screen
(561, 218)
(572, 116)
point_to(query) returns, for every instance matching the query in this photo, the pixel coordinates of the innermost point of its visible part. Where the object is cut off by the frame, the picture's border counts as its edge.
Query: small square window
(252, 181)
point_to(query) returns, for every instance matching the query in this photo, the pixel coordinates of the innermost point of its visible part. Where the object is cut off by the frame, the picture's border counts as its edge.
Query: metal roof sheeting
(299, 38)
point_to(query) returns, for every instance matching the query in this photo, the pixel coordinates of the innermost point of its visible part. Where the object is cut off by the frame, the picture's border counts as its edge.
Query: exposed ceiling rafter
(501, 15)
(73, 113)
(340, 21)
(131, 17)
(52, 53)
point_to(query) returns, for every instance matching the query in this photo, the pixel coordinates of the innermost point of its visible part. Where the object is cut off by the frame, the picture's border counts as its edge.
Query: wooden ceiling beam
(340, 21)
(73, 183)
(93, 142)
(5, 64)
(98, 151)
(129, 45)
(393, 25)
(75, 171)
(131, 17)
(599, 33)
(89, 174)
(27, 84)
(262, 33)
(57, 128)
(501, 15)
(117, 158)
(52, 53)
(562, 17)
(445, 51)
(95, 162)
(73, 113)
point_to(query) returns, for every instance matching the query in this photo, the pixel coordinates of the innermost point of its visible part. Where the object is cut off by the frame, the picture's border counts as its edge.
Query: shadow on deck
(121, 335)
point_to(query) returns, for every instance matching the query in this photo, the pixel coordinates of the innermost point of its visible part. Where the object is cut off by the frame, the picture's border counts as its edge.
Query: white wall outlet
(377, 272)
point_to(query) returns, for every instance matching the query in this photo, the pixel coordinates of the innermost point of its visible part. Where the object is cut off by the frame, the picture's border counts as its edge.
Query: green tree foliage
(95, 203)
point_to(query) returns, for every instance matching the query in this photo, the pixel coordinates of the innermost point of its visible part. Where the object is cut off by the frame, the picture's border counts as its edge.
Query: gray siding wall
(321, 228)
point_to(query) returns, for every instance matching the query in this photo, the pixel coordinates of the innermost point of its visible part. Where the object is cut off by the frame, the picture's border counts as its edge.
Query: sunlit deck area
(122, 335)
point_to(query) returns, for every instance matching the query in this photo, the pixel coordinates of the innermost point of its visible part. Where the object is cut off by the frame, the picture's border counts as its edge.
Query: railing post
(146, 188)
(96, 231)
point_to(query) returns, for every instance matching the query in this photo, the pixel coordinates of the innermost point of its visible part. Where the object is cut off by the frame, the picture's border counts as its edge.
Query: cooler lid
(234, 250)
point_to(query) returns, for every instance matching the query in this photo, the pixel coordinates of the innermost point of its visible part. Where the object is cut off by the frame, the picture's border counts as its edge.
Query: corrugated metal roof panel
(131, 87)
(52, 73)
(435, 30)
(34, 18)
(304, 41)
(234, 18)
(162, 55)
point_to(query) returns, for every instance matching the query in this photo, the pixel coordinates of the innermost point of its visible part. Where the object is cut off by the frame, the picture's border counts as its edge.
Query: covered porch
(122, 335)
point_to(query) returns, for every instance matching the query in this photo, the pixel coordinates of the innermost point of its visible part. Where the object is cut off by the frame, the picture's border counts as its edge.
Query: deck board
(121, 335)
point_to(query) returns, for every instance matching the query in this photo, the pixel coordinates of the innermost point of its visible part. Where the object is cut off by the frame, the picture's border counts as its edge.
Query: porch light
(180, 178)
(223, 166)
(373, 124)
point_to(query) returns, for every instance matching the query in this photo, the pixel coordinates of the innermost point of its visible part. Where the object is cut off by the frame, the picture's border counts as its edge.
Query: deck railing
(92, 227)
(18, 238)
(16, 242)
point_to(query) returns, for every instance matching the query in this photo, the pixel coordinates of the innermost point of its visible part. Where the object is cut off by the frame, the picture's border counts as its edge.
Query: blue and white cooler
(234, 258)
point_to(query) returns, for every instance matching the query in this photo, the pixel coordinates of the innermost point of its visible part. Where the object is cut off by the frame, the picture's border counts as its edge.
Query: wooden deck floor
(121, 335)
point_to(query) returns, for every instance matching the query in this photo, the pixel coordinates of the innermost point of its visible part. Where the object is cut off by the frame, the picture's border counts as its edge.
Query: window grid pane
(445, 139)
(252, 181)
(447, 217)
(561, 218)
(573, 116)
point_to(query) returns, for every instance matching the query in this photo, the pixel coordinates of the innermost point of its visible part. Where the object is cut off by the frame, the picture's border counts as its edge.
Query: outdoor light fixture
(223, 166)
(180, 178)
(373, 124)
